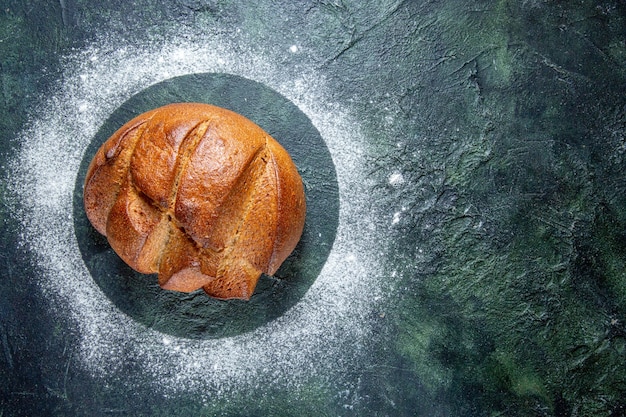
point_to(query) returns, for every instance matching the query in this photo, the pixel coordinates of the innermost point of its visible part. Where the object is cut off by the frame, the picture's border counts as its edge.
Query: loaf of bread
(198, 194)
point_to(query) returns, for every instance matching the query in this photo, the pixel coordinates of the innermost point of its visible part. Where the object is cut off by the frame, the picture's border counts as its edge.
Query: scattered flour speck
(396, 179)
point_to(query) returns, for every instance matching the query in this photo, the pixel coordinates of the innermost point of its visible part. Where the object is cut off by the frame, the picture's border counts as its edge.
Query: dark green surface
(509, 125)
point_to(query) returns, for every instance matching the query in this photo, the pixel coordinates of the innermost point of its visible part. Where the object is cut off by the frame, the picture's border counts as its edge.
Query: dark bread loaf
(198, 194)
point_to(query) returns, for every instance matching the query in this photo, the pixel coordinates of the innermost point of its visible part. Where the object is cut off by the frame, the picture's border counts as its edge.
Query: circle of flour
(320, 337)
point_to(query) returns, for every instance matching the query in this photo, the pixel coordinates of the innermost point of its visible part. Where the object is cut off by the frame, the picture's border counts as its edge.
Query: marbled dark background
(509, 126)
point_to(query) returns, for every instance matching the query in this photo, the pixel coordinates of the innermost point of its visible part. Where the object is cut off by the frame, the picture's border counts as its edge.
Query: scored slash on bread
(198, 194)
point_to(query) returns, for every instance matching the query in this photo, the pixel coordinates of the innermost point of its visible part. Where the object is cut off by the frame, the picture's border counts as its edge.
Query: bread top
(198, 194)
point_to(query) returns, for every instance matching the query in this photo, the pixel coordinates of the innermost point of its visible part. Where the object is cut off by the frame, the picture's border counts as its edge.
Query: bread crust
(198, 194)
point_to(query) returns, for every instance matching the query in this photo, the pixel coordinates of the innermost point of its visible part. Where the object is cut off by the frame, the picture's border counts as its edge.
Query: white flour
(320, 337)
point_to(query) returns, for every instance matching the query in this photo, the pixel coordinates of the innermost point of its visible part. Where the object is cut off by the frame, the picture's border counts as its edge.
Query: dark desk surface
(465, 252)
